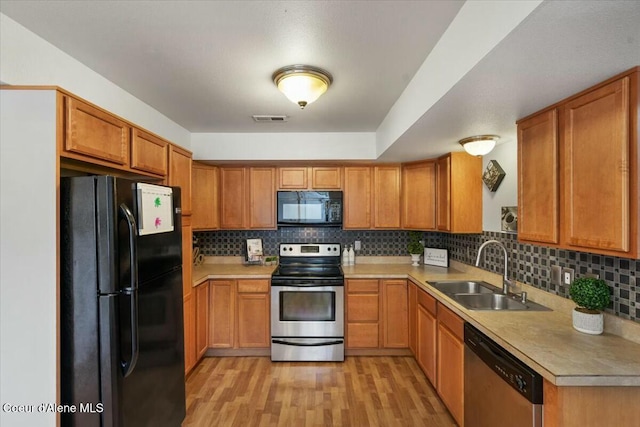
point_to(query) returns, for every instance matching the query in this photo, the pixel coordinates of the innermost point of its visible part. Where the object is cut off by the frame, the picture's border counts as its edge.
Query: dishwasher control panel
(513, 371)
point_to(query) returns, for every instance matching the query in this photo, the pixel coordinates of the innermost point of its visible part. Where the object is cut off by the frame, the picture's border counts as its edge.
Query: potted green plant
(591, 296)
(414, 247)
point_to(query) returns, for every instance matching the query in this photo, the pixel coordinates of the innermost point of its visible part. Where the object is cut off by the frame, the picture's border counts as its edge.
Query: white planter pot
(415, 260)
(588, 323)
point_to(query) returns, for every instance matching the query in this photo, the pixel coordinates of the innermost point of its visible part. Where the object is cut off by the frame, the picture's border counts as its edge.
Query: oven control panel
(309, 249)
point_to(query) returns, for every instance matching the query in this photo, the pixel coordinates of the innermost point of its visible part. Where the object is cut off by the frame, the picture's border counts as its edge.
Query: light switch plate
(357, 245)
(567, 275)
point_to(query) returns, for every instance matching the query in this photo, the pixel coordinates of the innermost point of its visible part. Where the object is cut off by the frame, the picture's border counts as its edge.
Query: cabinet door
(395, 318)
(451, 372)
(253, 321)
(451, 361)
(262, 198)
(222, 300)
(232, 198)
(357, 197)
(205, 201)
(326, 178)
(596, 168)
(293, 178)
(202, 320)
(180, 175)
(386, 197)
(148, 153)
(413, 318)
(419, 196)
(189, 333)
(95, 133)
(538, 184)
(443, 210)
(426, 345)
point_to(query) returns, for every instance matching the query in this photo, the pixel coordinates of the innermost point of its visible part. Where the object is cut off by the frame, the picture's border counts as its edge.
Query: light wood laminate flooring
(362, 391)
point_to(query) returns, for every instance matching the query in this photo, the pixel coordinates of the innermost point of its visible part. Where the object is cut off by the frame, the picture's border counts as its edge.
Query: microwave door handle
(131, 291)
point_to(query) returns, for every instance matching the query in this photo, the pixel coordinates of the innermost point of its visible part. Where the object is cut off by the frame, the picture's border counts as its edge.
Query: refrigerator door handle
(132, 290)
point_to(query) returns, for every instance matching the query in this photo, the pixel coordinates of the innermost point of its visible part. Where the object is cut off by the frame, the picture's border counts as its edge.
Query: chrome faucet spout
(505, 283)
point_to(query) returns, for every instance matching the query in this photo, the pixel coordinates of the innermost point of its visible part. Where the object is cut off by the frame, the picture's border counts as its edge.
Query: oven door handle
(316, 344)
(308, 285)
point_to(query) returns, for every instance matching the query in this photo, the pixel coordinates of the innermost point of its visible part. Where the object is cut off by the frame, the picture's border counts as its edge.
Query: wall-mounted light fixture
(302, 84)
(479, 145)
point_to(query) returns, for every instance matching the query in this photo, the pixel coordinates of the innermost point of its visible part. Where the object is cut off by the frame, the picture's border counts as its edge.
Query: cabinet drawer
(362, 286)
(451, 320)
(362, 308)
(362, 335)
(427, 301)
(253, 286)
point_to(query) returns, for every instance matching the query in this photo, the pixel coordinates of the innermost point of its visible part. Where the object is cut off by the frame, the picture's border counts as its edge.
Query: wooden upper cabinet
(386, 196)
(310, 178)
(538, 181)
(459, 201)
(180, 174)
(596, 171)
(293, 178)
(247, 198)
(357, 197)
(205, 200)
(262, 198)
(232, 197)
(419, 196)
(95, 133)
(148, 152)
(326, 178)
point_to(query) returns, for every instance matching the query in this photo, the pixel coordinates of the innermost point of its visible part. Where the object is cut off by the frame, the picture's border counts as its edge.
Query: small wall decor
(510, 219)
(493, 175)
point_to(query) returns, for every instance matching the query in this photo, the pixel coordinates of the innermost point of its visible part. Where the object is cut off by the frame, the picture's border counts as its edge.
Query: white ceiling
(207, 65)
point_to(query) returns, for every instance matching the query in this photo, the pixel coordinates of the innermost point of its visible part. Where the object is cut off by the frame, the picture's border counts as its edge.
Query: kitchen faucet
(505, 281)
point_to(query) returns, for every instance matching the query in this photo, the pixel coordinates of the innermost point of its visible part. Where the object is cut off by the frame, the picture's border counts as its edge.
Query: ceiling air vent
(270, 119)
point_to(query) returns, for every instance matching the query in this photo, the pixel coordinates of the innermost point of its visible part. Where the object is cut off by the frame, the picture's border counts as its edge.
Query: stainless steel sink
(463, 287)
(478, 295)
(496, 301)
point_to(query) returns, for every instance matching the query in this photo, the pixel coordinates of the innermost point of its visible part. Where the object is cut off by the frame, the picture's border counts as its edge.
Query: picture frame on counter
(436, 257)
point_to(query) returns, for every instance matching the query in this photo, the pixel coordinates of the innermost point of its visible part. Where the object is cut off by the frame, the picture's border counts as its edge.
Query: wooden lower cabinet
(253, 322)
(190, 357)
(239, 314)
(377, 314)
(395, 314)
(426, 331)
(590, 406)
(450, 365)
(413, 318)
(202, 320)
(222, 303)
(362, 313)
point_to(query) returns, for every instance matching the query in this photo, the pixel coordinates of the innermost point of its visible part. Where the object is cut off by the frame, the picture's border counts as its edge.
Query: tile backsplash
(528, 263)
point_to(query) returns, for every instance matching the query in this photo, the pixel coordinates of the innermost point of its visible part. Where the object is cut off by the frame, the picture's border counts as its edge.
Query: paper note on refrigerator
(155, 209)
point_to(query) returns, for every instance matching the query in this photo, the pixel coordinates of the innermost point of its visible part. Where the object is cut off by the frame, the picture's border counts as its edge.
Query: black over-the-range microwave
(309, 208)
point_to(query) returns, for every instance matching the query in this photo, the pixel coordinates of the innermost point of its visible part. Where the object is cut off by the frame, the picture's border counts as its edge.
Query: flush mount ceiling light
(302, 84)
(479, 145)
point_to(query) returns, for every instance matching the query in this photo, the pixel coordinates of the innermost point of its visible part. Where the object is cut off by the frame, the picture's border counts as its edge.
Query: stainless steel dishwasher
(499, 390)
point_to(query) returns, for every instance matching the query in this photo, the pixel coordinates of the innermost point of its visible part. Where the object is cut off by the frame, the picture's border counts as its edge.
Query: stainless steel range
(307, 304)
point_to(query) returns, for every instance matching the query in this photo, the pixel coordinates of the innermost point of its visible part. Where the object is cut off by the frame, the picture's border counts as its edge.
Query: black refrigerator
(121, 330)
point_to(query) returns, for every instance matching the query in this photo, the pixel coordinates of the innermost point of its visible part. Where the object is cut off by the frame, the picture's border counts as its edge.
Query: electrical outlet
(567, 275)
(556, 274)
(357, 245)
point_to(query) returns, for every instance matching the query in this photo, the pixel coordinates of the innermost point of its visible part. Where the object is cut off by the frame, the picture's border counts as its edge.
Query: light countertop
(545, 340)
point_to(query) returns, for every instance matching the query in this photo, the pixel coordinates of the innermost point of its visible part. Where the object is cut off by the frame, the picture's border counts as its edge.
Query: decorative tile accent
(528, 263)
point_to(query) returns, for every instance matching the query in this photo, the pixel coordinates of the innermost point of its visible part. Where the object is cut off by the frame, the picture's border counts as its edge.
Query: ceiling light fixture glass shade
(302, 84)
(479, 145)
